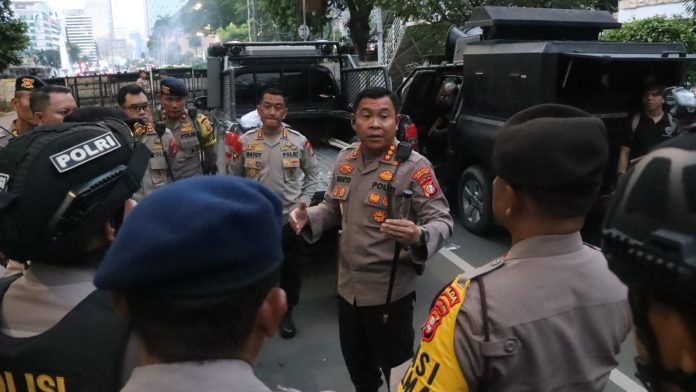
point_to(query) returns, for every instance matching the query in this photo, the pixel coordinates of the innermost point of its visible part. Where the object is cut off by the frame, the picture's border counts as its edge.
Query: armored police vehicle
(523, 57)
(319, 82)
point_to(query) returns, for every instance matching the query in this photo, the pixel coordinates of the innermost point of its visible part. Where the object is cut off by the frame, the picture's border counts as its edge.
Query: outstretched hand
(298, 218)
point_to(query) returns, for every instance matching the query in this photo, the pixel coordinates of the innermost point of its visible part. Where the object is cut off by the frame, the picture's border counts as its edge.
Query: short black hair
(653, 86)
(40, 99)
(95, 113)
(560, 203)
(181, 330)
(374, 92)
(130, 88)
(272, 91)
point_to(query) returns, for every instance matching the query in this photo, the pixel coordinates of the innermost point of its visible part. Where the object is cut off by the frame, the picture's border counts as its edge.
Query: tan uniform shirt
(357, 199)
(213, 376)
(557, 317)
(187, 161)
(162, 150)
(285, 164)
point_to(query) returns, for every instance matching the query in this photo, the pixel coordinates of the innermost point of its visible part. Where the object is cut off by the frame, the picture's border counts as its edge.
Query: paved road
(312, 361)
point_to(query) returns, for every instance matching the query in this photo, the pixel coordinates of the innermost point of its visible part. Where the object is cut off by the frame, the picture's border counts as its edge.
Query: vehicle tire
(474, 199)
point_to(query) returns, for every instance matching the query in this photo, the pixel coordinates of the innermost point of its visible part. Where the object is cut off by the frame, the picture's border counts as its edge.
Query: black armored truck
(520, 57)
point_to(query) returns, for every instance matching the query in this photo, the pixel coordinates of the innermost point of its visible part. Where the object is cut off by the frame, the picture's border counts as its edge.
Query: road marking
(456, 260)
(621, 380)
(624, 382)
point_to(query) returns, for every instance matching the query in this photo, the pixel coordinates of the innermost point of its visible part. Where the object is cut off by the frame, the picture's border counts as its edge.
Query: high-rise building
(639, 9)
(160, 8)
(79, 29)
(138, 44)
(102, 17)
(45, 28)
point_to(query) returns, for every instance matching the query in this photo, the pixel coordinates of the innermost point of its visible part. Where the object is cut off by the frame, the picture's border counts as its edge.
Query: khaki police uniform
(287, 166)
(162, 151)
(557, 317)
(191, 144)
(6, 137)
(214, 375)
(357, 200)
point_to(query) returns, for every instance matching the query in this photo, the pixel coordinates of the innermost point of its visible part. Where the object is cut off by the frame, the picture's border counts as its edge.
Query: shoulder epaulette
(484, 269)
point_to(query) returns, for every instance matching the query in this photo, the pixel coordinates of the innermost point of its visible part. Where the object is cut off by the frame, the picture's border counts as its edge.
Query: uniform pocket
(291, 169)
(252, 167)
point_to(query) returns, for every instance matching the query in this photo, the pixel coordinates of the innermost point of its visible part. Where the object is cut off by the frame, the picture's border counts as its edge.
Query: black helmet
(649, 239)
(58, 176)
(649, 232)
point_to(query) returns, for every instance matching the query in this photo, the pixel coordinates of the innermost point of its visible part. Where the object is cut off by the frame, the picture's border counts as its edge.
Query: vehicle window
(244, 89)
(321, 87)
(266, 80)
(295, 86)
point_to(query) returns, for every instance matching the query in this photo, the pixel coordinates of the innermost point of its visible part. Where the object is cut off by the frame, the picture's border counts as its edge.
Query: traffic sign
(303, 31)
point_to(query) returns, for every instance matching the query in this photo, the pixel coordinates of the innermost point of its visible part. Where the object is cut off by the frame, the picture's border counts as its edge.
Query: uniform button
(510, 346)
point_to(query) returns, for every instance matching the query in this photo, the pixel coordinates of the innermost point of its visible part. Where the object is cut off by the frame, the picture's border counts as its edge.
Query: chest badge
(379, 216)
(346, 168)
(386, 175)
(374, 197)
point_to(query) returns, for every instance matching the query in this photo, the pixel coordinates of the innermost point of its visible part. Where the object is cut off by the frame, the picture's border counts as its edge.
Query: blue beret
(28, 83)
(198, 237)
(173, 86)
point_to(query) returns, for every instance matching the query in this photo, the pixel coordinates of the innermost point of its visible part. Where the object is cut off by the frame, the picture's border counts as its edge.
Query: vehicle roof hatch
(519, 23)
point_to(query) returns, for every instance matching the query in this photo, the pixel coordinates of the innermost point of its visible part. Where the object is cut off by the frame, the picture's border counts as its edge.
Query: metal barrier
(355, 80)
(100, 90)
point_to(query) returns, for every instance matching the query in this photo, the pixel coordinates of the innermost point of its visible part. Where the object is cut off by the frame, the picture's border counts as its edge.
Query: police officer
(24, 85)
(648, 238)
(384, 240)
(284, 161)
(50, 104)
(548, 315)
(195, 139)
(133, 100)
(202, 320)
(62, 192)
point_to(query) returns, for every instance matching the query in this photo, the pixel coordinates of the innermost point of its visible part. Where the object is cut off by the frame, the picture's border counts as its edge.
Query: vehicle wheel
(474, 199)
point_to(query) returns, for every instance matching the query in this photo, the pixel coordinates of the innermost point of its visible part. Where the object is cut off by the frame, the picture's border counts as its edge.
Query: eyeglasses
(138, 107)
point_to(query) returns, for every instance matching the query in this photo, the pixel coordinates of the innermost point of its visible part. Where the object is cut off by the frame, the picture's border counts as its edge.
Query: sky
(129, 14)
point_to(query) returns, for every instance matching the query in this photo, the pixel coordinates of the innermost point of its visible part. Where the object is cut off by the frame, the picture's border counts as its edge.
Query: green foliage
(13, 36)
(287, 17)
(655, 29)
(234, 33)
(73, 52)
(49, 57)
(458, 12)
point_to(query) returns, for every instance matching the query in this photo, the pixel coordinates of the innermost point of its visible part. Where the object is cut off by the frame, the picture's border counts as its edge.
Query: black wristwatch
(424, 237)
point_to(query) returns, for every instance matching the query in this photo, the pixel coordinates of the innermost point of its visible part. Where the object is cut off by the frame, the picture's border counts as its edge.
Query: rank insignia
(28, 83)
(139, 129)
(259, 134)
(346, 168)
(390, 153)
(386, 175)
(285, 133)
(339, 191)
(354, 154)
(374, 197)
(379, 216)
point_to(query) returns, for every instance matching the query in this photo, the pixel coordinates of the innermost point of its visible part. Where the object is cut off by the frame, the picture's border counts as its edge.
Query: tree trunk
(359, 24)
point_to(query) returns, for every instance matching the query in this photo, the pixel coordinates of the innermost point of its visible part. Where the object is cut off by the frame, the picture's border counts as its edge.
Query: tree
(13, 36)
(655, 29)
(234, 33)
(48, 57)
(73, 52)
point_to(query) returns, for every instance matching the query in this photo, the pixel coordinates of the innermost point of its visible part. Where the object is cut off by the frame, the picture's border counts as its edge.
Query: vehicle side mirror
(201, 103)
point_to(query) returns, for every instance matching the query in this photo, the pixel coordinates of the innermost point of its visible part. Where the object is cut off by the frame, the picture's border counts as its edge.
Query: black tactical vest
(82, 353)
